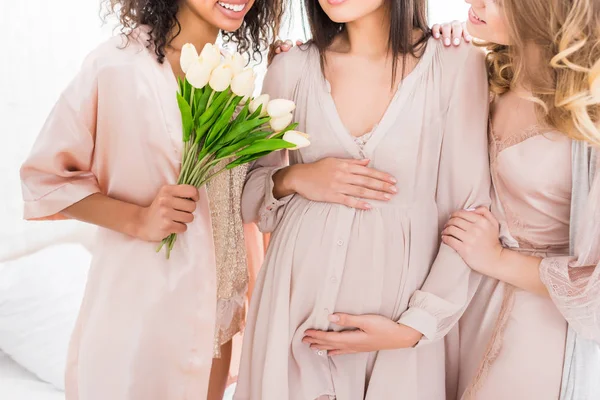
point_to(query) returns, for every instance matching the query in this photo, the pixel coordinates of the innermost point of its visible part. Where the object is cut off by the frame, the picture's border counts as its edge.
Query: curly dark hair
(259, 28)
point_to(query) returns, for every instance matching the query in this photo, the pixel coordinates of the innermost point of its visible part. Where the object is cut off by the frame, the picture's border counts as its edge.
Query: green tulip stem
(191, 102)
(210, 99)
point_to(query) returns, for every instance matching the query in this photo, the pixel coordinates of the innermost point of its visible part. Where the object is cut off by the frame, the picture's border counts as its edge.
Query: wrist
(408, 337)
(134, 226)
(284, 182)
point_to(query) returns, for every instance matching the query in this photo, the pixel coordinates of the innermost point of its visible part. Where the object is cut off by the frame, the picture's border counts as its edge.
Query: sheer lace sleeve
(574, 282)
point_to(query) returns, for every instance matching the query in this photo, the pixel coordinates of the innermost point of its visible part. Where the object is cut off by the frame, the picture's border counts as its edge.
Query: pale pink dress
(513, 341)
(325, 258)
(147, 324)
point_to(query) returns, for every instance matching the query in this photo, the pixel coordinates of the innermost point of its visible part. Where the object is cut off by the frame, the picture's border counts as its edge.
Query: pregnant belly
(345, 260)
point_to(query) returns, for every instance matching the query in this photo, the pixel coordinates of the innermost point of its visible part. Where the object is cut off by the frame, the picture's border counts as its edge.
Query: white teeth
(232, 7)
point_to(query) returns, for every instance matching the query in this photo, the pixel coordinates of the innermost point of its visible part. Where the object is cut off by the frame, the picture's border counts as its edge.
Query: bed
(16, 383)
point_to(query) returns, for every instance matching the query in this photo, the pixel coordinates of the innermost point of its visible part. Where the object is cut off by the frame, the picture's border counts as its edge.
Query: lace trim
(497, 144)
(362, 140)
(494, 346)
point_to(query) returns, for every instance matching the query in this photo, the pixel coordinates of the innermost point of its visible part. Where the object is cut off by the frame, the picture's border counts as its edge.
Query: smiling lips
(232, 7)
(474, 18)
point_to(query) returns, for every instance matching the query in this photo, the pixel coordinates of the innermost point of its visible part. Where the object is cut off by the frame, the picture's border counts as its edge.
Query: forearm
(107, 212)
(520, 270)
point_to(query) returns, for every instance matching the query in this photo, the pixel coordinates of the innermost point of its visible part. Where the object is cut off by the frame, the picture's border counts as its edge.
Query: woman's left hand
(372, 333)
(474, 236)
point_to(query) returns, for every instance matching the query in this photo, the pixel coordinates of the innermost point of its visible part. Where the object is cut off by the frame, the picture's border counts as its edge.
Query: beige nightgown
(326, 258)
(513, 341)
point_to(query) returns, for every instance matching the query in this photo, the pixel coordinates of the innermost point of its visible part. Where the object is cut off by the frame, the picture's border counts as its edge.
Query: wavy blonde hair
(563, 38)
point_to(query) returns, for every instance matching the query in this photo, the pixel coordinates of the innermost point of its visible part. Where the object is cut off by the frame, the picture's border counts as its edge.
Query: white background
(43, 44)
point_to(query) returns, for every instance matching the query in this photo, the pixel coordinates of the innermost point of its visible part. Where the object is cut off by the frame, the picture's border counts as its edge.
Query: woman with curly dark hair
(149, 328)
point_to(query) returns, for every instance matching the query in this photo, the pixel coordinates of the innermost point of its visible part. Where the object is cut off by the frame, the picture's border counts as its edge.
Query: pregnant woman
(390, 108)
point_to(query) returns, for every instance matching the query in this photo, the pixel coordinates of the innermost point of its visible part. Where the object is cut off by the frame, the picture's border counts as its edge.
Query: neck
(369, 35)
(194, 30)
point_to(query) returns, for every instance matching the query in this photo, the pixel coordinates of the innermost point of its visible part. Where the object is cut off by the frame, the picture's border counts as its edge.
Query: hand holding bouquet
(223, 126)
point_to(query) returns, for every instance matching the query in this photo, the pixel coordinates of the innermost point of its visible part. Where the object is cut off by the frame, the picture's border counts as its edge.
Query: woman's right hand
(451, 33)
(170, 212)
(334, 180)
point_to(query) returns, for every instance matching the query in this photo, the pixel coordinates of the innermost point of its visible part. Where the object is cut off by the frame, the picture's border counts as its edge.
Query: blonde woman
(544, 68)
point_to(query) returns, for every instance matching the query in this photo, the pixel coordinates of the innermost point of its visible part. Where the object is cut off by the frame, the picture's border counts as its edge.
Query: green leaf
(243, 127)
(263, 145)
(222, 122)
(246, 159)
(214, 108)
(290, 127)
(256, 113)
(248, 140)
(202, 100)
(186, 117)
(180, 85)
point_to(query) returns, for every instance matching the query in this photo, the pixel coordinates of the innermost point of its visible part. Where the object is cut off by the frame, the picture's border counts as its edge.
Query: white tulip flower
(280, 107)
(300, 139)
(237, 62)
(210, 55)
(280, 123)
(220, 78)
(198, 74)
(242, 84)
(261, 100)
(188, 56)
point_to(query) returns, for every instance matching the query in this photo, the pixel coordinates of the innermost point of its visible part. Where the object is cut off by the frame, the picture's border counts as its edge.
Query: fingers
(372, 183)
(340, 352)
(455, 232)
(176, 227)
(447, 34)
(352, 202)
(323, 337)
(184, 192)
(364, 193)
(466, 35)
(287, 45)
(299, 42)
(371, 173)
(459, 223)
(364, 162)
(457, 32)
(188, 206)
(277, 46)
(181, 217)
(318, 344)
(454, 243)
(487, 214)
(436, 31)
(348, 320)
(467, 215)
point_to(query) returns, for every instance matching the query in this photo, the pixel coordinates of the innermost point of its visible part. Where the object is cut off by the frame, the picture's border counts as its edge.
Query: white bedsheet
(18, 384)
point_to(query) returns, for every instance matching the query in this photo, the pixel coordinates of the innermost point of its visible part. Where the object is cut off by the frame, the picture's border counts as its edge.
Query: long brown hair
(260, 25)
(565, 80)
(405, 17)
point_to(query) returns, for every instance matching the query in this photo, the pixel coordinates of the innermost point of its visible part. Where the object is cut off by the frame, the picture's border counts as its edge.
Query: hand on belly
(372, 333)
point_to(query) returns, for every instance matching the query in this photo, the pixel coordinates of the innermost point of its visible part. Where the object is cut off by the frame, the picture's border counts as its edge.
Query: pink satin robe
(146, 326)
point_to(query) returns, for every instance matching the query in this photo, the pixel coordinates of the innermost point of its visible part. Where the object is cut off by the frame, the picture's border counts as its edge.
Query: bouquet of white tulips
(223, 126)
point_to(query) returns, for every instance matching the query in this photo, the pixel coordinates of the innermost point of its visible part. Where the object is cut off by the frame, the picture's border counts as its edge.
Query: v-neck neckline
(384, 124)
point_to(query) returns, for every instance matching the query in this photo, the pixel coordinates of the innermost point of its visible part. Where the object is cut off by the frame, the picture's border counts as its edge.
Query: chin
(229, 21)
(349, 11)
(478, 32)
(227, 25)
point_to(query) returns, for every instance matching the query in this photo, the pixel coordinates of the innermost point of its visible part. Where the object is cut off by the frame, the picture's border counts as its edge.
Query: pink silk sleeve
(57, 173)
(574, 282)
